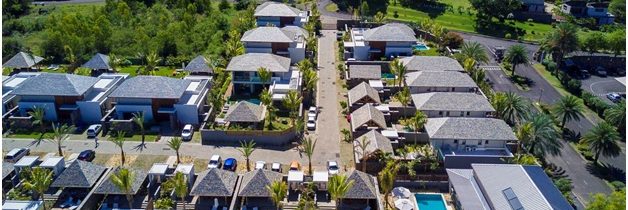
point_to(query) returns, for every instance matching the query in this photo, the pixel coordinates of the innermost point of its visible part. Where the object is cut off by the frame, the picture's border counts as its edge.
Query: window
(486, 142)
(462, 114)
(479, 142)
(440, 113)
(447, 113)
(464, 142)
(453, 89)
(455, 141)
(468, 113)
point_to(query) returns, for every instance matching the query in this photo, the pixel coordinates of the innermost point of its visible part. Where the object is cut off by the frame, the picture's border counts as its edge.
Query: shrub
(595, 103)
(618, 185)
(573, 86)
(551, 66)
(584, 151)
(453, 40)
(508, 36)
(395, 14)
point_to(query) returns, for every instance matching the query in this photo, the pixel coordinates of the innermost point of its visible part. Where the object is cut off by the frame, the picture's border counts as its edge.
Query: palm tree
(138, 119)
(404, 98)
(305, 65)
(379, 17)
(114, 62)
(278, 191)
(472, 50)
(310, 78)
(175, 144)
(569, 108)
(561, 41)
(523, 159)
(70, 57)
(233, 46)
(397, 68)
(545, 138)
(180, 186)
(338, 187)
(123, 180)
(119, 140)
(292, 100)
(386, 179)
(38, 114)
(524, 132)
(246, 149)
(616, 115)
(308, 147)
(264, 75)
(362, 144)
(515, 55)
(602, 140)
(152, 59)
(39, 182)
(417, 122)
(266, 98)
(59, 135)
(510, 107)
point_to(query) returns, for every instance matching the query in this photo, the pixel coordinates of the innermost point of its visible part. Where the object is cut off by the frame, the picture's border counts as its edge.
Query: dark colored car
(230, 164)
(87, 155)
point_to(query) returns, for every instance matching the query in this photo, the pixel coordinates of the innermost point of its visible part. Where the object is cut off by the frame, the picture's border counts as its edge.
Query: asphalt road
(600, 86)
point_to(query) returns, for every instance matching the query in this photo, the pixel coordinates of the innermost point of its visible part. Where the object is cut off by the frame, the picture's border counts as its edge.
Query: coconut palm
(523, 159)
(602, 140)
(292, 100)
(310, 78)
(545, 138)
(524, 132)
(510, 107)
(246, 149)
(397, 68)
(123, 180)
(264, 75)
(175, 144)
(70, 58)
(417, 122)
(152, 59)
(515, 55)
(278, 191)
(234, 47)
(138, 119)
(362, 144)
(119, 140)
(266, 98)
(114, 62)
(472, 50)
(60, 133)
(39, 181)
(404, 98)
(308, 147)
(616, 115)
(38, 114)
(180, 186)
(305, 65)
(338, 187)
(386, 178)
(561, 41)
(569, 108)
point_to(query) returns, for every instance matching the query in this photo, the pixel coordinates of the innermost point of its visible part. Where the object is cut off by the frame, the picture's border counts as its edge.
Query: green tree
(515, 55)
(618, 8)
(152, 59)
(308, 147)
(417, 122)
(267, 100)
(602, 140)
(119, 140)
(180, 186)
(545, 138)
(233, 47)
(60, 133)
(310, 78)
(593, 42)
(123, 180)
(616, 115)
(379, 17)
(397, 67)
(364, 8)
(404, 98)
(71, 58)
(246, 149)
(510, 107)
(472, 50)
(264, 75)
(617, 41)
(38, 114)
(523, 159)
(16, 8)
(278, 191)
(138, 119)
(175, 144)
(601, 201)
(338, 187)
(38, 182)
(292, 100)
(114, 62)
(362, 144)
(486, 10)
(569, 108)
(561, 41)
(386, 178)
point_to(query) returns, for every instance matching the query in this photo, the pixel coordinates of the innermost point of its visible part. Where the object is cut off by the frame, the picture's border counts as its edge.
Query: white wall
(296, 54)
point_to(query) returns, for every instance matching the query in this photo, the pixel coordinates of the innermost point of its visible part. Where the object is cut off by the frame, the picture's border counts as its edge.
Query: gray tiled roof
(80, 174)
(294, 31)
(199, 64)
(376, 140)
(108, 188)
(439, 79)
(365, 71)
(363, 186)
(245, 111)
(431, 63)
(99, 61)
(151, 87)
(215, 182)
(270, 34)
(253, 61)
(52, 84)
(390, 32)
(7, 168)
(22, 60)
(363, 91)
(254, 183)
(451, 101)
(274, 9)
(466, 128)
(365, 114)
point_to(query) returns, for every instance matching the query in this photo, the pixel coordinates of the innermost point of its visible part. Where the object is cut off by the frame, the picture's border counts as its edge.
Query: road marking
(491, 68)
(598, 82)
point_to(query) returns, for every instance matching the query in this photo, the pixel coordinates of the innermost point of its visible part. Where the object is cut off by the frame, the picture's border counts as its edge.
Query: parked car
(311, 123)
(498, 51)
(87, 155)
(600, 71)
(584, 74)
(276, 167)
(312, 112)
(214, 162)
(614, 97)
(16, 154)
(332, 167)
(295, 166)
(93, 130)
(260, 164)
(187, 132)
(230, 164)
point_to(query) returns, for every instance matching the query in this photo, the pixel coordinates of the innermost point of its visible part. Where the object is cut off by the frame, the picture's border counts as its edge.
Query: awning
(295, 176)
(69, 107)
(166, 110)
(321, 176)
(390, 134)
(377, 84)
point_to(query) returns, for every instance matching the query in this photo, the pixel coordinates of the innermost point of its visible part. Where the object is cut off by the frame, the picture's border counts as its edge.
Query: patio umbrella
(404, 204)
(401, 192)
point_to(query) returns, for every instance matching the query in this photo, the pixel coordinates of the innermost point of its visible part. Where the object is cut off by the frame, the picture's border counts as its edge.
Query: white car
(259, 165)
(93, 130)
(276, 167)
(311, 123)
(332, 167)
(187, 132)
(214, 162)
(312, 112)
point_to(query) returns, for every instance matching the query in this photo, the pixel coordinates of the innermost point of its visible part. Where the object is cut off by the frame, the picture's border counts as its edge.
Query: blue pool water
(254, 100)
(430, 201)
(388, 75)
(421, 47)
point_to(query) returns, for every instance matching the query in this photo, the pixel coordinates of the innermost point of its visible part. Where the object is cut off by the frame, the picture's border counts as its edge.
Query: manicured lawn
(28, 135)
(280, 124)
(331, 7)
(144, 162)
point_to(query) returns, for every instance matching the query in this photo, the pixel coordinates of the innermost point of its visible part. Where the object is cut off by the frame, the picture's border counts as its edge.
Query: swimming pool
(430, 201)
(388, 75)
(421, 47)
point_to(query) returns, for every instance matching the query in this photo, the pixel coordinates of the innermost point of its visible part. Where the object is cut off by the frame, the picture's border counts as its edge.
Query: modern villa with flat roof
(452, 104)
(9, 100)
(460, 141)
(280, 15)
(246, 80)
(392, 39)
(161, 99)
(288, 41)
(67, 97)
(504, 186)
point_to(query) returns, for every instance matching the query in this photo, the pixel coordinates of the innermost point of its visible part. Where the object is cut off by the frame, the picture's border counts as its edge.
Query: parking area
(600, 86)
